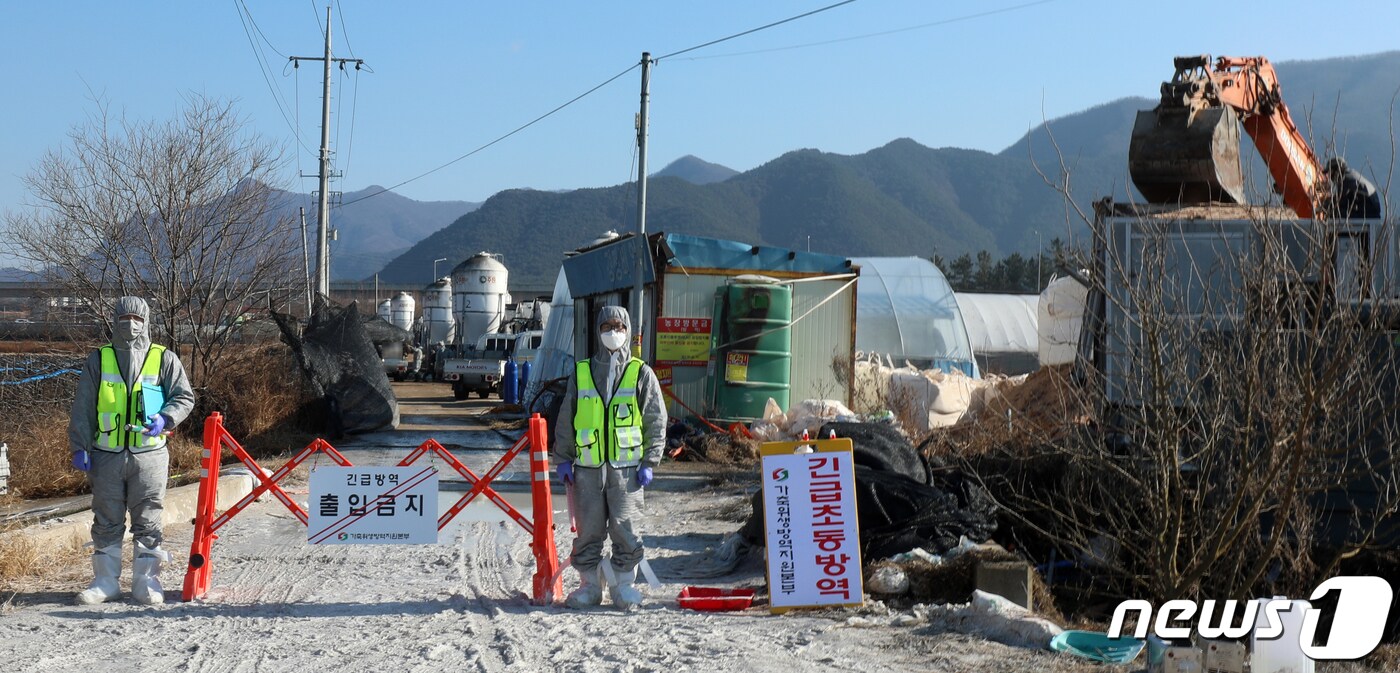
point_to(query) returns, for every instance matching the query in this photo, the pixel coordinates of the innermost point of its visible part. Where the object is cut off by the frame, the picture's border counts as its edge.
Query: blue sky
(451, 76)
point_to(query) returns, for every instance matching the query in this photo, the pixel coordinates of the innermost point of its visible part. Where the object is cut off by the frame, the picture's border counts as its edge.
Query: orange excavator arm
(1186, 150)
(1250, 86)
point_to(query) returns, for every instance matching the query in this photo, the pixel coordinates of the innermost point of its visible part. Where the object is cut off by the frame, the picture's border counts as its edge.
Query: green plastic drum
(752, 346)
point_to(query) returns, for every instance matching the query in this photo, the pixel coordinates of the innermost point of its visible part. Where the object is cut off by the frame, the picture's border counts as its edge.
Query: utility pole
(323, 203)
(640, 319)
(305, 260)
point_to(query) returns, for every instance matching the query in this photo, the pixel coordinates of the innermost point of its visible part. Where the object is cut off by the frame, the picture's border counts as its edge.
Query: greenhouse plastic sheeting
(1000, 323)
(555, 357)
(905, 309)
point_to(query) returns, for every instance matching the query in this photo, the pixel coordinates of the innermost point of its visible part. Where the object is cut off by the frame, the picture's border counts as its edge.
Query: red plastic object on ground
(710, 599)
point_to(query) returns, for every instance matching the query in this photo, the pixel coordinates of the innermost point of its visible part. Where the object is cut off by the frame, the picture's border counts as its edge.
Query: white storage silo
(401, 311)
(437, 312)
(385, 311)
(479, 297)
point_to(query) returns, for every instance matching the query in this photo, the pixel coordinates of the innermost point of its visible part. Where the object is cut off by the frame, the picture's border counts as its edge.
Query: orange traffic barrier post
(547, 586)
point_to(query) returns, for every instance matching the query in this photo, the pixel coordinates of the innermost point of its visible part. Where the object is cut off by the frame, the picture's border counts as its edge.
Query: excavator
(1187, 149)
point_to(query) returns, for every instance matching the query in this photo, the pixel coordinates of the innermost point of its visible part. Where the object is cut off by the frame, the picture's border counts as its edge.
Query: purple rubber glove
(156, 426)
(644, 475)
(566, 472)
(81, 461)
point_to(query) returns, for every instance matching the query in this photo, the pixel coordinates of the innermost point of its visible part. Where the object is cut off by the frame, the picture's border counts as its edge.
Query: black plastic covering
(902, 502)
(338, 359)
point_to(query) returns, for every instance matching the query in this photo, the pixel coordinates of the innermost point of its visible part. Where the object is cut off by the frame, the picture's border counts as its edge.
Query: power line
(259, 29)
(318, 19)
(354, 105)
(942, 22)
(263, 70)
(344, 33)
(518, 129)
(755, 30)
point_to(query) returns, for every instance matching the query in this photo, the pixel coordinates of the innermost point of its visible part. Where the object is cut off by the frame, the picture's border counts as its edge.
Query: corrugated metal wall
(828, 332)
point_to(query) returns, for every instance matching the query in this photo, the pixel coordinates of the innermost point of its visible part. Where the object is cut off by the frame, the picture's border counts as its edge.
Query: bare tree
(178, 212)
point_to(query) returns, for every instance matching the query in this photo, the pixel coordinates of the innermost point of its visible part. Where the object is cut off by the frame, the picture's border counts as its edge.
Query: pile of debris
(341, 366)
(902, 501)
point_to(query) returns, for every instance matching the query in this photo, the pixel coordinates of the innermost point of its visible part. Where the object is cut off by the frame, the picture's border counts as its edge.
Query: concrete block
(1008, 579)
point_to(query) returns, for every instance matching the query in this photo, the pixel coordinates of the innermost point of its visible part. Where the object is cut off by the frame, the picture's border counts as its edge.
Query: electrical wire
(339, 101)
(941, 22)
(318, 19)
(518, 129)
(354, 105)
(344, 33)
(755, 30)
(259, 30)
(263, 69)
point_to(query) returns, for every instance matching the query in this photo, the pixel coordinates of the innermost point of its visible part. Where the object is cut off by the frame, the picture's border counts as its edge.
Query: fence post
(198, 574)
(548, 586)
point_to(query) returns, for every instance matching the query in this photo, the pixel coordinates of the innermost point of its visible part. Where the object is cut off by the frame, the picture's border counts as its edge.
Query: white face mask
(130, 330)
(613, 340)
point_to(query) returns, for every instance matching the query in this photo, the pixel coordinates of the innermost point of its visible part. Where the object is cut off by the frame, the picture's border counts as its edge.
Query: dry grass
(259, 393)
(27, 566)
(40, 463)
(46, 347)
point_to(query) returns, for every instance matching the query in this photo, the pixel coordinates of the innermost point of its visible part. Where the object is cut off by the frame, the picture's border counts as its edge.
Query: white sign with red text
(809, 514)
(373, 505)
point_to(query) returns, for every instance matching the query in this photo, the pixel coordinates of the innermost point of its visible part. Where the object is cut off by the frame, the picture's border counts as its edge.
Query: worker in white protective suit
(129, 397)
(608, 440)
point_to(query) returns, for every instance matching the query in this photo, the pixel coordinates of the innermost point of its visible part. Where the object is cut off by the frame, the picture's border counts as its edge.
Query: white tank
(1060, 315)
(479, 296)
(437, 312)
(401, 311)
(385, 311)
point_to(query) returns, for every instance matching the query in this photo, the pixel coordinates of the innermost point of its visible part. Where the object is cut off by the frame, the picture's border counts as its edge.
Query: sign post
(809, 516)
(373, 505)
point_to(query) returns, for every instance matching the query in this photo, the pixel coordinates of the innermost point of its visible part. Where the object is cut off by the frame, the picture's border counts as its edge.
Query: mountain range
(378, 227)
(899, 199)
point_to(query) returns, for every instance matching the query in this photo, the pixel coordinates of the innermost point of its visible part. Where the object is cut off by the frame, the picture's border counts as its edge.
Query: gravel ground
(279, 604)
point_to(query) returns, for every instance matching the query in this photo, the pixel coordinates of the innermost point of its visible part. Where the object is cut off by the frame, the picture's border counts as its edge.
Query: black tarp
(339, 362)
(897, 510)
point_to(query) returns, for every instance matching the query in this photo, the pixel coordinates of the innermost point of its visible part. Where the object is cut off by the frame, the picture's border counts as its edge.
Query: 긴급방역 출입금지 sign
(373, 505)
(683, 342)
(809, 516)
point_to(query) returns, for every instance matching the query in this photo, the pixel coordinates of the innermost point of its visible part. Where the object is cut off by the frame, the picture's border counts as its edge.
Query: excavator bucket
(1184, 154)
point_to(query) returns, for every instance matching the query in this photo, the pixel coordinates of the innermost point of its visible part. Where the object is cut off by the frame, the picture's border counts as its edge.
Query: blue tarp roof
(609, 267)
(714, 253)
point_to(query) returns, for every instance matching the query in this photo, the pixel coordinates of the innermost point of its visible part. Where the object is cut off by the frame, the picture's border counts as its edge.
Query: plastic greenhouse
(906, 310)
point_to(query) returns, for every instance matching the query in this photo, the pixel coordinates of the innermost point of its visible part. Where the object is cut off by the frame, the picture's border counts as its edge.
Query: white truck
(483, 368)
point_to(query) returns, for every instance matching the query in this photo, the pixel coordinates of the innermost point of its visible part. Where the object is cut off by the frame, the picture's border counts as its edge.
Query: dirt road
(279, 604)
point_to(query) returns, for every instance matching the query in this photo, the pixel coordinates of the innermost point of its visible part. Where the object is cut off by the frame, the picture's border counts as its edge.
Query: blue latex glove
(155, 426)
(566, 472)
(644, 475)
(81, 461)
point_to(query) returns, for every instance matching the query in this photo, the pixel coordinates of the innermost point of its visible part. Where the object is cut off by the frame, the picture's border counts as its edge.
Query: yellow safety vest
(117, 406)
(614, 434)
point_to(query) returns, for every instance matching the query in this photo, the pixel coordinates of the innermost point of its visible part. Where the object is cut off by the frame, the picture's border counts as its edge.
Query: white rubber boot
(624, 594)
(145, 574)
(106, 567)
(588, 594)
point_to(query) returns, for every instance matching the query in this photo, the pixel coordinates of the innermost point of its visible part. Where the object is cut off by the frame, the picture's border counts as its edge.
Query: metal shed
(681, 281)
